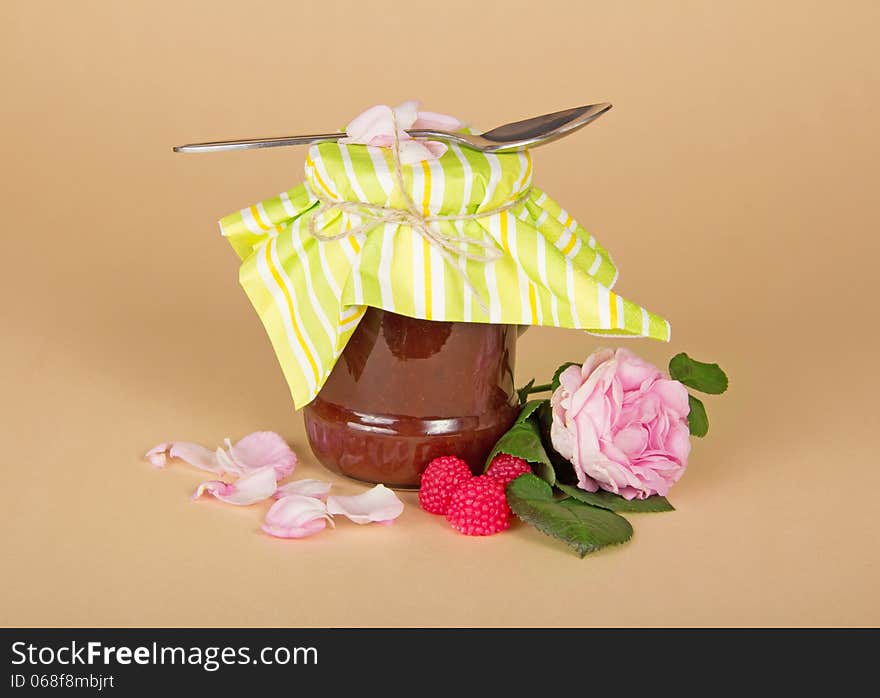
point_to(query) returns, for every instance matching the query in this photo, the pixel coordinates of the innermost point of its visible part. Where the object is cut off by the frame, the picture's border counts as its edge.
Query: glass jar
(406, 391)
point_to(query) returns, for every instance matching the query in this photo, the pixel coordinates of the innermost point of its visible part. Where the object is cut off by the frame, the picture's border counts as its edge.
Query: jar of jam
(405, 391)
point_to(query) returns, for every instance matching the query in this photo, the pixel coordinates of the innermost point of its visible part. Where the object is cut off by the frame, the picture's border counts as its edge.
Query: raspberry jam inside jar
(405, 391)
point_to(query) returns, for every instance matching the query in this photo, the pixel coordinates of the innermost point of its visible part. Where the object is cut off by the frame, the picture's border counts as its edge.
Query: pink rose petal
(158, 455)
(436, 148)
(633, 372)
(194, 454)
(674, 395)
(438, 122)
(571, 379)
(406, 114)
(373, 122)
(412, 152)
(254, 487)
(250, 453)
(632, 441)
(296, 516)
(260, 449)
(600, 356)
(378, 504)
(375, 127)
(307, 488)
(678, 442)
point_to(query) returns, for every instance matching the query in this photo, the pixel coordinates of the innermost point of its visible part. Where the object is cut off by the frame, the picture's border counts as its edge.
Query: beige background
(735, 182)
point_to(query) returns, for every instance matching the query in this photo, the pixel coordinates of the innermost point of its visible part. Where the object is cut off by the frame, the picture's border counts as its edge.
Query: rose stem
(539, 388)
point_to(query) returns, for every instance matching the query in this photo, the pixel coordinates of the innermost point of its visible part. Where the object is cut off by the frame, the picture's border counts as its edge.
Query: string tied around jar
(457, 249)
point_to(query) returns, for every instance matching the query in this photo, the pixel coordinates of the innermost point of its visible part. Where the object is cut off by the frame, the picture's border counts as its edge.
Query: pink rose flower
(622, 423)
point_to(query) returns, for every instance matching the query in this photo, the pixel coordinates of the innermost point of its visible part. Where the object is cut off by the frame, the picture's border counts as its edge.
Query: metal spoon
(518, 135)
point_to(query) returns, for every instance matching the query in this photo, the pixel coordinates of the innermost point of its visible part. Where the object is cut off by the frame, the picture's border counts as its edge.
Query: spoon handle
(252, 143)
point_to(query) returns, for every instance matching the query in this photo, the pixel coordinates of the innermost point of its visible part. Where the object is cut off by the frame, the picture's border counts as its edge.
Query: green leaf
(583, 527)
(614, 502)
(555, 382)
(524, 441)
(529, 408)
(523, 392)
(707, 378)
(698, 420)
(563, 468)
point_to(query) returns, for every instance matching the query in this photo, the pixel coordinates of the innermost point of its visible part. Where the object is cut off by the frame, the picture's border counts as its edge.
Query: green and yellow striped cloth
(311, 294)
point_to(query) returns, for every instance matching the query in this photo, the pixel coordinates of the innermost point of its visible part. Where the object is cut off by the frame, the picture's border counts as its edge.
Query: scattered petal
(412, 152)
(157, 455)
(307, 488)
(378, 504)
(260, 449)
(194, 454)
(254, 487)
(227, 465)
(436, 148)
(438, 122)
(296, 516)
(367, 125)
(375, 127)
(407, 114)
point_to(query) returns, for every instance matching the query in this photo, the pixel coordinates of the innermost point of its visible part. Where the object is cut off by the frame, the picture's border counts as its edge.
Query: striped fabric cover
(311, 294)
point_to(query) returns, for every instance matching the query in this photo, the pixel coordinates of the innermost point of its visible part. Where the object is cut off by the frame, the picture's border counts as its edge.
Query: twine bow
(456, 249)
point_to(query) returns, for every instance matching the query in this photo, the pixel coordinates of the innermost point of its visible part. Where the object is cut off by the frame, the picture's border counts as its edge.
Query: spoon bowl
(527, 133)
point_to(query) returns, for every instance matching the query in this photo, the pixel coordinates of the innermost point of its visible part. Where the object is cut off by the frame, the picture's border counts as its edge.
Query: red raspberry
(478, 507)
(506, 468)
(440, 479)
